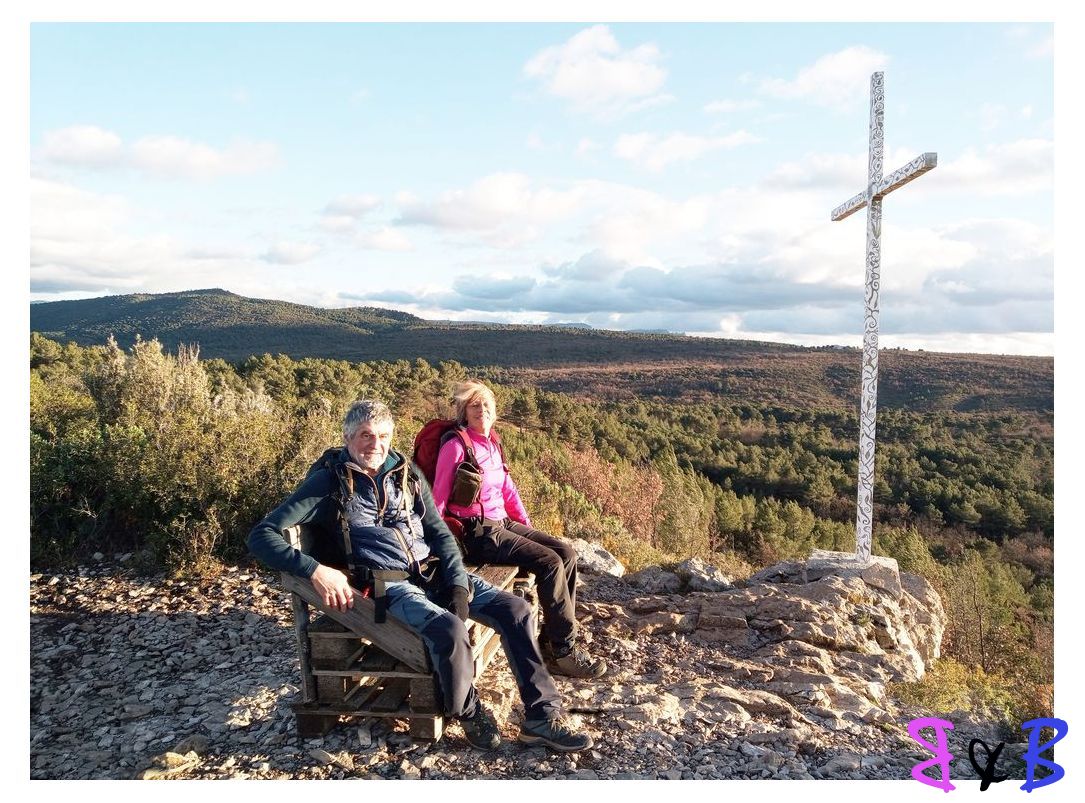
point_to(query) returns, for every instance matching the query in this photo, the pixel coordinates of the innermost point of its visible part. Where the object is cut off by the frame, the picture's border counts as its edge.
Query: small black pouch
(466, 485)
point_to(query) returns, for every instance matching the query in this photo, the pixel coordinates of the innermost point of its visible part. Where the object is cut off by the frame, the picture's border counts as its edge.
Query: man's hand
(333, 587)
(460, 602)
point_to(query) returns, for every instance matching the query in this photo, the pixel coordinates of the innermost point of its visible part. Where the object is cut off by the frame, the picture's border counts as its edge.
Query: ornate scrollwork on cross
(877, 188)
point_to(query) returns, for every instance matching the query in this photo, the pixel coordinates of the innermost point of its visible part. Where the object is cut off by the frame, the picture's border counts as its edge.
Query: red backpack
(427, 446)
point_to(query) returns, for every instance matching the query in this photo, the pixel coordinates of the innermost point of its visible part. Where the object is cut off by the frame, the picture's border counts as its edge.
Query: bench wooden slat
(395, 692)
(394, 636)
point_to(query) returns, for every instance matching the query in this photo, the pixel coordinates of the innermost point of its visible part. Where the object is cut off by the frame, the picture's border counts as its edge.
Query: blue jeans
(449, 647)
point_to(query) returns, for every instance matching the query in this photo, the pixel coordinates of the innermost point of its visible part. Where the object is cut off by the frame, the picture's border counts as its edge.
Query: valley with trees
(174, 457)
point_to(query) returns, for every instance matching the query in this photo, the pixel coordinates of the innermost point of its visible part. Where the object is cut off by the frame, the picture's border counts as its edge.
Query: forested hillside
(587, 363)
(177, 457)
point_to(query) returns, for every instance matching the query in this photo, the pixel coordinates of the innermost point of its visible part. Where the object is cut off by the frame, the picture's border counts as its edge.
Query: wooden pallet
(353, 667)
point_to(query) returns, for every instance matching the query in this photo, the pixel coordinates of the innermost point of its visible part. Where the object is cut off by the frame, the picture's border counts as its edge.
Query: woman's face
(480, 415)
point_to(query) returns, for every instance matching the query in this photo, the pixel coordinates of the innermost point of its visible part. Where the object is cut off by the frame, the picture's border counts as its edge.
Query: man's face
(369, 445)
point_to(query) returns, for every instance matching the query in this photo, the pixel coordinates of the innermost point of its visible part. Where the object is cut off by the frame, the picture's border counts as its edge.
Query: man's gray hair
(362, 411)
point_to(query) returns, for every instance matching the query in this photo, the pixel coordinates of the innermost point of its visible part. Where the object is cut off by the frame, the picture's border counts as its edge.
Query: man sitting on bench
(403, 552)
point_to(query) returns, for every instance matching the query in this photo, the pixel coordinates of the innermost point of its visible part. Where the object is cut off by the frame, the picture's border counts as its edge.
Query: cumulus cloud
(597, 76)
(385, 239)
(61, 212)
(83, 145)
(655, 151)
(176, 157)
(341, 215)
(837, 80)
(290, 253)
(1014, 168)
(80, 245)
(168, 156)
(506, 207)
(337, 224)
(354, 206)
(492, 288)
(592, 266)
(985, 275)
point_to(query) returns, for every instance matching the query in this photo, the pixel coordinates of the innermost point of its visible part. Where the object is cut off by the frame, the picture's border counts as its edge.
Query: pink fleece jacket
(499, 498)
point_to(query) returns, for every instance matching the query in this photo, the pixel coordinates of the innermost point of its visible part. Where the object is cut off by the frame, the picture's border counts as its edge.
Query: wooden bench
(353, 667)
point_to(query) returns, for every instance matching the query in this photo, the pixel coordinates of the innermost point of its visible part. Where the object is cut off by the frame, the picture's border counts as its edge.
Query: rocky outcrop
(782, 676)
(822, 648)
(593, 559)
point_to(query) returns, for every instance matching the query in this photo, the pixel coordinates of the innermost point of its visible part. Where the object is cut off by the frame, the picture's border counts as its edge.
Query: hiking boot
(576, 663)
(481, 730)
(556, 734)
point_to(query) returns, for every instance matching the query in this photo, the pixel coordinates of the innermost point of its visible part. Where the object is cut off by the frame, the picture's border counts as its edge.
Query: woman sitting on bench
(497, 529)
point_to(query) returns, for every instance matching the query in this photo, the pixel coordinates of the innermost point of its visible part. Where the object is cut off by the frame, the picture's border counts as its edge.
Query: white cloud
(1026, 112)
(291, 253)
(169, 156)
(594, 73)
(836, 80)
(337, 224)
(832, 171)
(655, 151)
(534, 142)
(61, 212)
(83, 146)
(1015, 168)
(354, 206)
(506, 205)
(80, 245)
(385, 239)
(729, 106)
(176, 157)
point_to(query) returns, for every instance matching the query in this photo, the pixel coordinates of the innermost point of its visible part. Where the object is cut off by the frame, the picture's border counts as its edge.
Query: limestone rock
(879, 572)
(700, 576)
(594, 559)
(655, 580)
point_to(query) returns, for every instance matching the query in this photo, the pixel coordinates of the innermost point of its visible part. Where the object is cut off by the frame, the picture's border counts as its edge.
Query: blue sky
(672, 176)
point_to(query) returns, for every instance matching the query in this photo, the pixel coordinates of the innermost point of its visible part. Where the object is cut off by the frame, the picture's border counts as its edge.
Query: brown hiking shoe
(576, 664)
(557, 734)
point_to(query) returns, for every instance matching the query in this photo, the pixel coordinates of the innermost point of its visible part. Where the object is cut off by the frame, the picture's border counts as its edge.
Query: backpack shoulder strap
(465, 439)
(467, 446)
(344, 491)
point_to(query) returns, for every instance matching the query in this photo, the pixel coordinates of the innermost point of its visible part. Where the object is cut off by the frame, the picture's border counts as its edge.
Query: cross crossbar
(895, 180)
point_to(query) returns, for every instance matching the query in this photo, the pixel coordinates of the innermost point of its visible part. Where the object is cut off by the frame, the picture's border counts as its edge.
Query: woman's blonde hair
(466, 392)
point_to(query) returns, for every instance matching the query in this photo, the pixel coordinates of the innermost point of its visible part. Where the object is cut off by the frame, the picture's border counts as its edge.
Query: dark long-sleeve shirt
(385, 532)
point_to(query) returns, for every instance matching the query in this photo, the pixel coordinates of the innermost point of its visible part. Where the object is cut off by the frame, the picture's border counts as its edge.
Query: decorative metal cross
(871, 198)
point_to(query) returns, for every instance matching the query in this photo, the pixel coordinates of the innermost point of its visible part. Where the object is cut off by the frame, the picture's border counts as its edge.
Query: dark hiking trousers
(449, 647)
(550, 559)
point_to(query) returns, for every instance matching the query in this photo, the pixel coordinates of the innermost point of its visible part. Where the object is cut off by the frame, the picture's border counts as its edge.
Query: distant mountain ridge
(581, 360)
(234, 327)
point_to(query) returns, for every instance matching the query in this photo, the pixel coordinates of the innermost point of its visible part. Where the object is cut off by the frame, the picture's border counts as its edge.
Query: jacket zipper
(407, 553)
